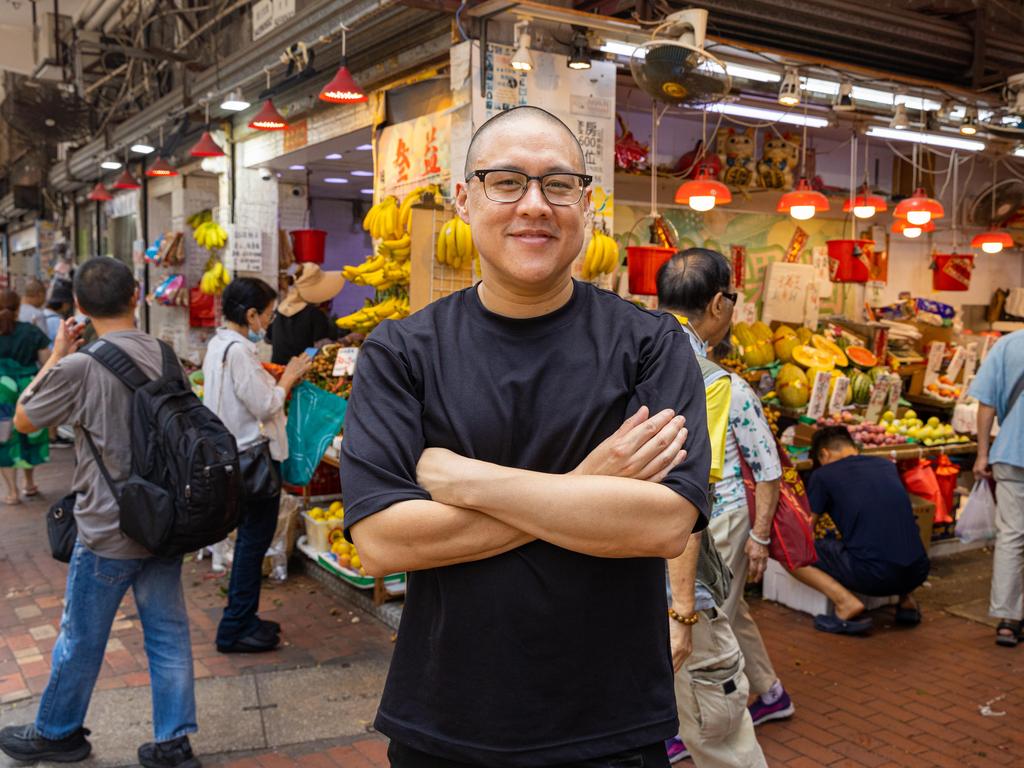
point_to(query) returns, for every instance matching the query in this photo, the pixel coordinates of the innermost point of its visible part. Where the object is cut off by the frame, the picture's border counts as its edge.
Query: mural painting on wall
(765, 238)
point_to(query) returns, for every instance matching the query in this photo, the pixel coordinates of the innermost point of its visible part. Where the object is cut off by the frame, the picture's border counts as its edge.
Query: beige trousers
(730, 535)
(1007, 598)
(711, 696)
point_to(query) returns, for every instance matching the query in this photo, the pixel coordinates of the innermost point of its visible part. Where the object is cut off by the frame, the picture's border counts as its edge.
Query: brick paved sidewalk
(899, 698)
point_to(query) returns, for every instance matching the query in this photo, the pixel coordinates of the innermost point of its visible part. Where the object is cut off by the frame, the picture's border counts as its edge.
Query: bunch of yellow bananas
(602, 256)
(416, 196)
(381, 221)
(199, 218)
(216, 277)
(210, 235)
(369, 317)
(396, 250)
(455, 246)
(379, 272)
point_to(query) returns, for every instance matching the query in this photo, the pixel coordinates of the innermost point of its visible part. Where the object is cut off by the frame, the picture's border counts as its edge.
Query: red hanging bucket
(952, 271)
(848, 260)
(643, 262)
(308, 245)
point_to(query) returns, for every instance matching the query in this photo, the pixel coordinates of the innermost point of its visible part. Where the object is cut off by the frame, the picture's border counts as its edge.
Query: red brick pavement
(900, 698)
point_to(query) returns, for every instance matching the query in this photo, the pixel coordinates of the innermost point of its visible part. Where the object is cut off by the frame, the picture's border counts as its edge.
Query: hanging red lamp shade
(126, 181)
(206, 147)
(905, 228)
(343, 89)
(703, 192)
(992, 242)
(268, 118)
(803, 202)
(919, 209)
(865, 205)
(161, 168)
(99, 193)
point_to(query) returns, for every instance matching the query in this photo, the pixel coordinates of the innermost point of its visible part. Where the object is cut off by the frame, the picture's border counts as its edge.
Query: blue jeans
(96, 586)
(255, 534)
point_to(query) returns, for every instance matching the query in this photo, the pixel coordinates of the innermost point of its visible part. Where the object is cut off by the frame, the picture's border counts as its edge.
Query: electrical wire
(458, 20)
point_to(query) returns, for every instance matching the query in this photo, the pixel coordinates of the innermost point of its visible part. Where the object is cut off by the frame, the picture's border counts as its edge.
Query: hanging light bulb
(343, 89)
(99, 193)
(844, 99)
(865, 205)
(234, 101)
(905, 228)
(789, 91)
(703, 192)
(522, 60)
(803, 202)
(268, 118)
(919, 209)
(110, 164)
(900, 121)
(206, 146)
(580, 58)
(969, 125)
(993, 241)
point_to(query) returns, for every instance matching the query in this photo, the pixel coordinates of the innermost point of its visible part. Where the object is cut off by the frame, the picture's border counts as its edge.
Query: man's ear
(462, 201)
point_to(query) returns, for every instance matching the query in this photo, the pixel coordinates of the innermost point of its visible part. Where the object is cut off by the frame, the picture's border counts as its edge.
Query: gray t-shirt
(80, 391)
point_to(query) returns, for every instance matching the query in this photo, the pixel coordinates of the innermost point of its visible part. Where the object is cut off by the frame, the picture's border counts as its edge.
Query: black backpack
(184, 490)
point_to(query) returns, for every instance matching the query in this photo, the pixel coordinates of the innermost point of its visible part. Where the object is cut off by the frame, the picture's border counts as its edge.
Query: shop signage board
(790, 294)
(819, 395)
(415, 153)
(819, 258)
(267, 14)
(245, 249)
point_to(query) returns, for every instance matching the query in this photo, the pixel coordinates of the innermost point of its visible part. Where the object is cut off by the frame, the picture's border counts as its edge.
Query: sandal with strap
(1008, 640)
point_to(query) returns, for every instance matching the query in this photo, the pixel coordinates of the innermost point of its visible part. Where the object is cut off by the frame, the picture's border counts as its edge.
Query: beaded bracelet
(689, 621)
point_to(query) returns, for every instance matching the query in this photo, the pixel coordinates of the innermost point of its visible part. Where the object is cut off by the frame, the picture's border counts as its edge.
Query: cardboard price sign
(971, 363)
(959, 358)
(895, 390)
(838, 399)
(819, 395)
(935, 354)
(345, 362)
(879, 398)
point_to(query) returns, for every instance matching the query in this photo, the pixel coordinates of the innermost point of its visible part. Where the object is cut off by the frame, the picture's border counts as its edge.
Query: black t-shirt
(539, 656)
(870, 507)
(291, 336)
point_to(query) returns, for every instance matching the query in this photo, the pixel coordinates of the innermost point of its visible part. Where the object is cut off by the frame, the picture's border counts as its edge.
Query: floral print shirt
(748, 432)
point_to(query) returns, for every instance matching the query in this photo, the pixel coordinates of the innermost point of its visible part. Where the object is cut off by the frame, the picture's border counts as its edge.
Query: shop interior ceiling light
(361, 173)
(789, 91)
(703, 192)
(580, 56)
(905, 228)
(335, 180)
(333, 156)
(992, 242)
(366, 191)
(865, 205)
(969, 125)
(932, 139)
(110, 164)
(142, 147)
(296, 167)
(363, 148)
(803, 202)
(844, 98)
(343, 89)
(234, 102)
(757, 113)
(919, 209)
(522, 60)
(160, 168)
(900, 121)
(99, 193)
(126, 181)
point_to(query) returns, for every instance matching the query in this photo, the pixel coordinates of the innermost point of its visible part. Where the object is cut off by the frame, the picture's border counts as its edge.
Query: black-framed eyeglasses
(730, 296)
(503, 186)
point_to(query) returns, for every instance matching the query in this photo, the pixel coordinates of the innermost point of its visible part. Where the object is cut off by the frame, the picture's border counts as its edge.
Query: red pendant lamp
(865, 205)
(803, 202)
(161, 168)
(206, 146)
(703, 192)
(268, 118)
(126, 180)
(343, 89)
(911, 231)
(99, 193)
(919, 209)
(993, 242)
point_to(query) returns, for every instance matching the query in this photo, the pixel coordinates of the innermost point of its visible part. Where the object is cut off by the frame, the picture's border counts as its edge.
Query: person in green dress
(23, 348)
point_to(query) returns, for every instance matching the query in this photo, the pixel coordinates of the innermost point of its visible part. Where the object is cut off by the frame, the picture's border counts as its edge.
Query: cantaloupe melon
(809, 357)
(838, 357)
(862, 357)
(791, 386)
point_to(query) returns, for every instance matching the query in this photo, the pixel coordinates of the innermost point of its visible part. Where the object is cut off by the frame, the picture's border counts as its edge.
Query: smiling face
(526, 247)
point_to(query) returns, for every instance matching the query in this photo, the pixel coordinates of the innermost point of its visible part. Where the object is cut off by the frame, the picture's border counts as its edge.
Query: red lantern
(703, 192)
(803, 202)
(99, 193)
(206, 147)
(268, 118)
(919, 209)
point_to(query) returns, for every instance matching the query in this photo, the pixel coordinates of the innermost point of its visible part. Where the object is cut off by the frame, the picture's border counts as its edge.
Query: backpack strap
(103, 467)
(117, 361)
(171, 366)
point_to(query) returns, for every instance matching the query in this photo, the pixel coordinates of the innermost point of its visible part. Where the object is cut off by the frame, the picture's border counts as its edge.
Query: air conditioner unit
(53, 42)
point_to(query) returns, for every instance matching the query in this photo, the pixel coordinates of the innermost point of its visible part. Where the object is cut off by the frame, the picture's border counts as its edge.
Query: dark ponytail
(9, 304)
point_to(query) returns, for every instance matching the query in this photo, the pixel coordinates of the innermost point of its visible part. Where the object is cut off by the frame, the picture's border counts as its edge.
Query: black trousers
(653, 756)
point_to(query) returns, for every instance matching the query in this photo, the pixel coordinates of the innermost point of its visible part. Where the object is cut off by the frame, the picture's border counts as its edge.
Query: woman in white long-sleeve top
(251, 405)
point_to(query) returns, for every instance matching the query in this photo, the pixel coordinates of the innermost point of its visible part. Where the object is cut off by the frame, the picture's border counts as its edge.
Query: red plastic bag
(202, 309)
(792, 536)
(946, 473)
(919, 478)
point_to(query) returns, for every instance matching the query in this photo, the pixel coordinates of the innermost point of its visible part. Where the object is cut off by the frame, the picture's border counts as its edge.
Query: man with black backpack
(78, 388)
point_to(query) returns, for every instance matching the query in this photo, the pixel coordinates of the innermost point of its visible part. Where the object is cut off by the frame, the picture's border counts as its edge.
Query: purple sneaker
(780, 710)
(675, 749)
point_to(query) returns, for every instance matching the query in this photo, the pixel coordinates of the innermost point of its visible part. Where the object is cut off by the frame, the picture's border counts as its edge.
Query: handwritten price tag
(879, 397)
(819, 395)
(838, 399)
(345, 362)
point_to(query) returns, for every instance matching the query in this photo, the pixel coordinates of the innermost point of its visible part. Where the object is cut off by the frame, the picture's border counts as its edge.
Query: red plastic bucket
(308, 245)
(848, 260)
(643, 263)
(952, 271)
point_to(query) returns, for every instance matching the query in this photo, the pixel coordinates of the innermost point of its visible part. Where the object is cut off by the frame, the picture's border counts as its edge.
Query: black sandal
(1011, 640)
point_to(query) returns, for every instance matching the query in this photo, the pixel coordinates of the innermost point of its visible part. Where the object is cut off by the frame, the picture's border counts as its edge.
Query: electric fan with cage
(672, 68)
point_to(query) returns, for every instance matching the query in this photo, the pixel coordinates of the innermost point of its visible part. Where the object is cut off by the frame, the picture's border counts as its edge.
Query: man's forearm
(766, 500)
(419, 534)
(593, 514)
(22, 423)
(986, 418)
(682, 576)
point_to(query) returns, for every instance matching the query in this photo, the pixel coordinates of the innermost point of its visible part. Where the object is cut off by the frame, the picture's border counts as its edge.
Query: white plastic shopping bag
(978, 518)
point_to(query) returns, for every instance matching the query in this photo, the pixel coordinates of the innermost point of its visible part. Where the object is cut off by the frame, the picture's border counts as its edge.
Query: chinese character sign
(414, 153)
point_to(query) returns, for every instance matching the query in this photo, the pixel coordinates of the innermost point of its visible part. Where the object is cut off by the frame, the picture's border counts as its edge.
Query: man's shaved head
(505, 119)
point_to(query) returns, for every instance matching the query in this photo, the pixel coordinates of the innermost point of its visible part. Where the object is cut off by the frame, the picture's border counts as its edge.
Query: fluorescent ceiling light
(757, 113)
(746, 73)
(364, 147)
(234, 102)
(932, 139)
(361, 173)
(142, 148)
(1018, 152)
(366, 191)
(296, 167)
(333, 156)
(110, 165)
(335, 180)
(871, 95)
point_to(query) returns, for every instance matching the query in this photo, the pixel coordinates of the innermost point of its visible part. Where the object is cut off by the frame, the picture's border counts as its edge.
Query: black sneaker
(176, 753)
(23, 742)
(61, 442)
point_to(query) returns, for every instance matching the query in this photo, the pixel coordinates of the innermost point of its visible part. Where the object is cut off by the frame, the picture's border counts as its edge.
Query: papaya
(791, 386)
(825, 345)
(804, 334)
(783, 332)
(809, 357)
(862, 357)
(761, 330)
(784, 347)
(743, 334)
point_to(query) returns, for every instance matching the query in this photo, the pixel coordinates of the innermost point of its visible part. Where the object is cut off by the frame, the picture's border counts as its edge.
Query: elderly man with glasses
(518, 447)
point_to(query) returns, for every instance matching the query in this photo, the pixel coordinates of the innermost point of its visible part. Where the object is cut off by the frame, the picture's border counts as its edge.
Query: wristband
(756, 540)
(689, 621)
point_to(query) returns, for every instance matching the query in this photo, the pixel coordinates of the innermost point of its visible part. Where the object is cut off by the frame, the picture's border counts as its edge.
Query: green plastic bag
(315, 417)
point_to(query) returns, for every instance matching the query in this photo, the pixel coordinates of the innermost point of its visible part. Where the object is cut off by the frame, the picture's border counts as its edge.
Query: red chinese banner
(414, 152)
(739, 261)
(796, 246)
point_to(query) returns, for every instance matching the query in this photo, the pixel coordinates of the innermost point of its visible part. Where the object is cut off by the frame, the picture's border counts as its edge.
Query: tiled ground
(900, 698)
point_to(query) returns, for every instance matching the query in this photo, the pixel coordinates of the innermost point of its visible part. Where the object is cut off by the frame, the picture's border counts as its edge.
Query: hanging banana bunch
(416, 196)
(381, 221)
(602, 256)
(216, 277)
(455, 247)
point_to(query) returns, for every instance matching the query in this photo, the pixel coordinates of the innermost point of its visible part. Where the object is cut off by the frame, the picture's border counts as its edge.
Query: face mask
(256, 336)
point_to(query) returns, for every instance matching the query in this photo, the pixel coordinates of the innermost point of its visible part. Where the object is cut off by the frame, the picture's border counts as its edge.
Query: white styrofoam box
(782, 588)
